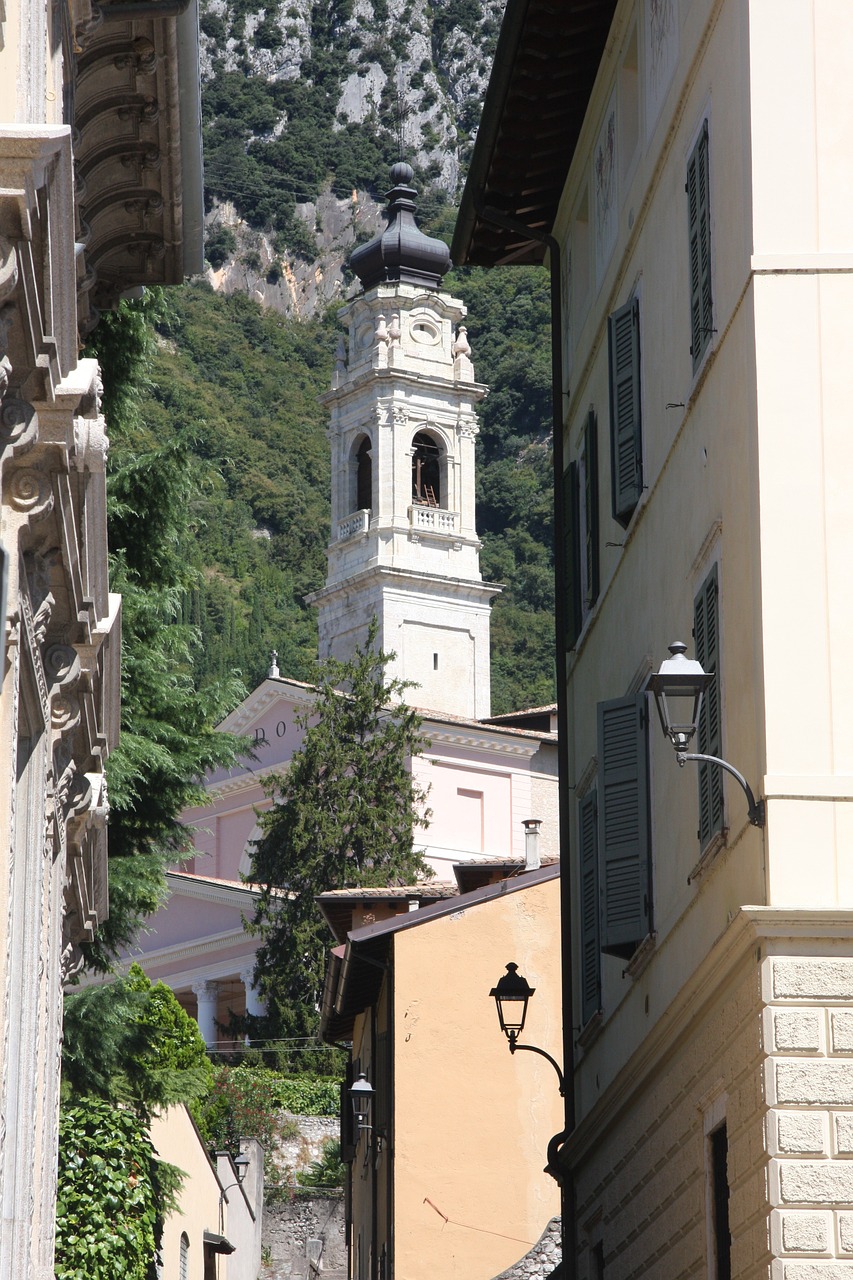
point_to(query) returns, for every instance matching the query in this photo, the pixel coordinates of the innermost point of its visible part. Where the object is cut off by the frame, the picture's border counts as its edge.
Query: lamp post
(511, 995)
(678, 690)
(361, 1095)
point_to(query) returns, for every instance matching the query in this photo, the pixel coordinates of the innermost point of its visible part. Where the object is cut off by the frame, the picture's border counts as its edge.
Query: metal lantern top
(511, 996)
(679, 681)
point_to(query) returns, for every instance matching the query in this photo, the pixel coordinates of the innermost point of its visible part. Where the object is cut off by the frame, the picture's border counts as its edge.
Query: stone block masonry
(808, 1026)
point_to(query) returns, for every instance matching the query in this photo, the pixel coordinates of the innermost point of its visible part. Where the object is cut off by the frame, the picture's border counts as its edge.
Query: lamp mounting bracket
(757, 809)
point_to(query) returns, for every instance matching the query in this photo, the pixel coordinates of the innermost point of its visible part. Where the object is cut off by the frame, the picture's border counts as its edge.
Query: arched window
(426, 470)
(185, 1257)
(363, 477)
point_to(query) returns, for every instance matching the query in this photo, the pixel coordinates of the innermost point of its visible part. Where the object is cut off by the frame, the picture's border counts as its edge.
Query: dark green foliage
(326, 1173)
(246, 383)
(219, 246)
(168, 738)
(130, 1042)
(509, 331)
(344, 815)
(129, 1049)
(111, 1197)
(244, 1103)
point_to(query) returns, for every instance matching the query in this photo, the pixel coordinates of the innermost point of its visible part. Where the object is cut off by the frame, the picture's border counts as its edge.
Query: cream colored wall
(700, 502)
(176, 1140)
(746, 465)
(803, 293)
(472, 1122)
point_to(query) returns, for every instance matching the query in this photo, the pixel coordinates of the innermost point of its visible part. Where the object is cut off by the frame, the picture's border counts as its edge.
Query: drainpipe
(567, 1190)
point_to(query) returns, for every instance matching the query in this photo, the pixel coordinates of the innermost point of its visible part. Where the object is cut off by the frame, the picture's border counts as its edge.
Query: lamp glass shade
(241, 1164)
(511, 996)
(678, 690)
(361, 1094)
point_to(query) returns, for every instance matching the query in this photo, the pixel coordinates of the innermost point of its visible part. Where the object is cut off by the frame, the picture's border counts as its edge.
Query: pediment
(268, 717)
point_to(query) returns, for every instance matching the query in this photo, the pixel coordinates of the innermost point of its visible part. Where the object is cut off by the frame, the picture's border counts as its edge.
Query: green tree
(168, 722)
(129, 1042)
(345, 815)
(129, 1049)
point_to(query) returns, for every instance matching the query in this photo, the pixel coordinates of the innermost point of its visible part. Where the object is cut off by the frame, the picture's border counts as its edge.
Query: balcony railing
(358, 522)
(425, 519)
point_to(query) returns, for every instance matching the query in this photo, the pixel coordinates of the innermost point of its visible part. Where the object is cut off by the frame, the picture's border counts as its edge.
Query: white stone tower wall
(404, 371)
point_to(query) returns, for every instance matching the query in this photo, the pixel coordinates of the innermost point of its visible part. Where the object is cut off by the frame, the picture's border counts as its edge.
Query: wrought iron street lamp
(678, 690)
(511, 995)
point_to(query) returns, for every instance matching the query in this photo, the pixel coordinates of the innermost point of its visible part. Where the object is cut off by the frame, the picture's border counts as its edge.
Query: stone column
(207, 996)
(254, 1004)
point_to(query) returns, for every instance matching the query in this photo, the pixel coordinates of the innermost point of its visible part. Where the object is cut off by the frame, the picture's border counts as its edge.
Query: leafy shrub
(219, 246)
(111, 1194)
(241, 1105)
(327, 1172)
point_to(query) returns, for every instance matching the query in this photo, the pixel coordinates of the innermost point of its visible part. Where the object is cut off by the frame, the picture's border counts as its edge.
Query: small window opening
(426, 471)
(364, 477)
(435, 662)
(719, 1145)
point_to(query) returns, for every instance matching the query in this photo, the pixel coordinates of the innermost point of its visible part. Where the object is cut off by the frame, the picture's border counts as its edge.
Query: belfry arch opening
(426, 471)
(363, 467)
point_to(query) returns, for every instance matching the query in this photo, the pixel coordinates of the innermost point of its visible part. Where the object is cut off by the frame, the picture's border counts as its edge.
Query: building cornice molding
(735, 949)
(180, 952)
(184, 885)
(431, 584)
(407, 378)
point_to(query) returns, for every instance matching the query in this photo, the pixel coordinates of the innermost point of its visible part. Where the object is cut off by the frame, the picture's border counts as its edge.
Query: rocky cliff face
(306, 102)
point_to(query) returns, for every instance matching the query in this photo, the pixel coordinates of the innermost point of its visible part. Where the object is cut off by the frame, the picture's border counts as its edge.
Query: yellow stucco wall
(176, 1140)
(472, 1122)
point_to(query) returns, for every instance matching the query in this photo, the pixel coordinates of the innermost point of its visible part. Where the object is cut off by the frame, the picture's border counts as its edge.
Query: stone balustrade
(433, 519)
(356, 523)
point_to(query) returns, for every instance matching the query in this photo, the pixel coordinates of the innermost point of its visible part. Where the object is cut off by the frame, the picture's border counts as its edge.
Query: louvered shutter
(623, 825)
(591, 508)
(699, 228)
(571, 545)
(589, 906)
(626, 441)
(706, 633)
(382, 1086)
(349, 1137)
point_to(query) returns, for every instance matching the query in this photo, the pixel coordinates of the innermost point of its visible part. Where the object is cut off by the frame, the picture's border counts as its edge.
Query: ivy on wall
(112, 1190)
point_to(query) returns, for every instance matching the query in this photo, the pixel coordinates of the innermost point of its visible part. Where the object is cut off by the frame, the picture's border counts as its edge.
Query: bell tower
(404, 544)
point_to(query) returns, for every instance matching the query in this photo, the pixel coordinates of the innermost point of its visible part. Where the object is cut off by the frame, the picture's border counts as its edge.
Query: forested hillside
(239, 386)
(305, 105)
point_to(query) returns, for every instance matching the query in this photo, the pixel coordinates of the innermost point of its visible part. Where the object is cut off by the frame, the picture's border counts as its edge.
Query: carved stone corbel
(61, 665)
(18, 423)
(26, 490)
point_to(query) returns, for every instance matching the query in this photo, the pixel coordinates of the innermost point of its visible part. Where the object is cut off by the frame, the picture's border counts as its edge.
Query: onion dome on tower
(401, 252)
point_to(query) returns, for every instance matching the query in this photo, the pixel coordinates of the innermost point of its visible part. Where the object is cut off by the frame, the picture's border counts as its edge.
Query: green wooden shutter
(590, 448)
(382, 1085)
(699, 229)
(589, 906)
(571, 544)
(623, 825)
(626, 440)
(349, 1137)
(706, 633)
